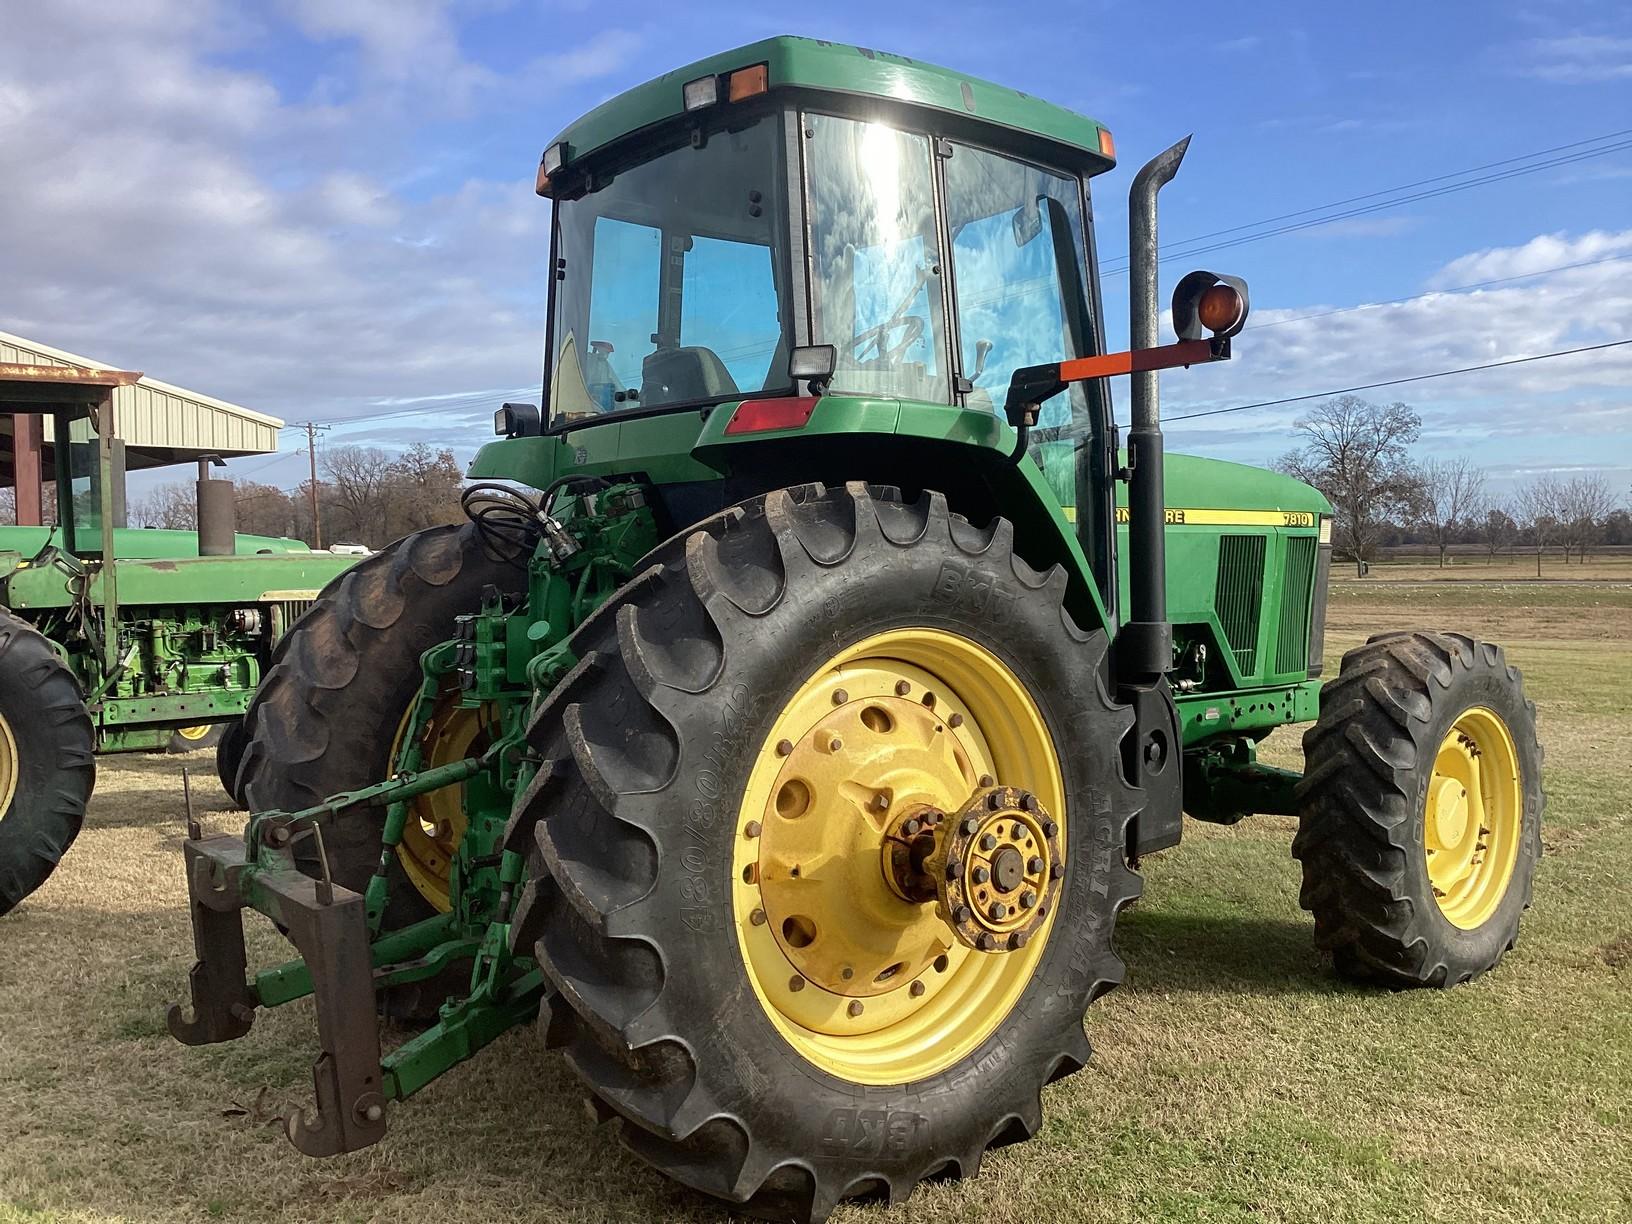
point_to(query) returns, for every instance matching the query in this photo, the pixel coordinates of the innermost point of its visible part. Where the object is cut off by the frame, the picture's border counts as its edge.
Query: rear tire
(634, 907)
(326, 716)
(1411, 720)
(47, 760)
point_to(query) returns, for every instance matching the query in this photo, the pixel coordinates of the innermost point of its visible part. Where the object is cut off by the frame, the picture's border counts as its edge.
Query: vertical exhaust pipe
(217, 511)
(1145, 643)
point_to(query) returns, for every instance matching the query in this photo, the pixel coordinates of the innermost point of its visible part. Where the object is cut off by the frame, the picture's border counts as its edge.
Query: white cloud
(1578, 59)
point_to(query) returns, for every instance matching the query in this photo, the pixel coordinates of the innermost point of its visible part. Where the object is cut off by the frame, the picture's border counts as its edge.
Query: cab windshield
(671, 280)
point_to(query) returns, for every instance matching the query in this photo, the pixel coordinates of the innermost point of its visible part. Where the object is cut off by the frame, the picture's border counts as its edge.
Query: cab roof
(814, 64)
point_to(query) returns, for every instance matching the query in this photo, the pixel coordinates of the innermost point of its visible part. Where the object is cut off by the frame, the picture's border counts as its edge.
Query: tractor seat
(677, 375)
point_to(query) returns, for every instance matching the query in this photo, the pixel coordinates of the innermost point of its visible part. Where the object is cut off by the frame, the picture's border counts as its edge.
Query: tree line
(365, 495)
(1359, 454)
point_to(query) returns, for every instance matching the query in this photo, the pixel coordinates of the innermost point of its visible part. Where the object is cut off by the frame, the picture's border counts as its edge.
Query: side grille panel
(1292, 640)
(1240, 595)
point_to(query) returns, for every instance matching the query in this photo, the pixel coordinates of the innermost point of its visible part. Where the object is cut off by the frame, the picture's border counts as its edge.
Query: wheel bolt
(916, 990)
(847, 973)
(941, 963)
(784, 747)
(1028, 802)
(954, 720)
(969, 825)
(751, 829)
(953, 869)
(1028, 899)
(998, 912)
(987, 941)
(902, 688)
(881, 802)
(988, 843)
(757, 917)
(962, 914)
(840, 696)
(1034, 864)
(796, 983)
(981, 875)
(994, 801)
(912, 827)
(1019, 940)
(855, 1008)
(1056, 871)
(1050, 828)
(987, 780)
(832, 744)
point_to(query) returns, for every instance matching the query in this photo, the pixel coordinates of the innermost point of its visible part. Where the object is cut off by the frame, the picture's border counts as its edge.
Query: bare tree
(1355, 452)
(1500, 529)
(174, 506)
(1581, 508)
(358, 478)
(1537, 508)
(263, 509)
(1453, 496)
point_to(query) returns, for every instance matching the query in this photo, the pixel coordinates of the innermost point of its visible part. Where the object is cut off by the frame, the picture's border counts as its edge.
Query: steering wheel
(912, 329)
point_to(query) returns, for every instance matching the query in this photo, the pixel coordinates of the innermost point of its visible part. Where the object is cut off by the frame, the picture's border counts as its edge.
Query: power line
(1395, 382)
(1189, 247)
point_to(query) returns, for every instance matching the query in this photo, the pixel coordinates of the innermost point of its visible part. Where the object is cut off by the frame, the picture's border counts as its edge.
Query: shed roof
(160, 423)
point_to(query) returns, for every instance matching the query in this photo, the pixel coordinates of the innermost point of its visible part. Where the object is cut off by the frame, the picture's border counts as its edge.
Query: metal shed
(155, 424)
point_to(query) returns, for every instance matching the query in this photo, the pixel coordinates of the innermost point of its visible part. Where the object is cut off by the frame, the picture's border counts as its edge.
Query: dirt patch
(1617, 953)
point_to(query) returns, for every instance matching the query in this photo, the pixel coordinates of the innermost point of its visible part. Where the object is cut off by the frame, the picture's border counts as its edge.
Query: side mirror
(518, 421)
(815, 364)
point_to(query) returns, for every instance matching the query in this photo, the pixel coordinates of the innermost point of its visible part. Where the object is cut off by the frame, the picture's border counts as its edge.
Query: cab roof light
(554, 158)
(757, 416)
(750, 82)
(1107, 143)
(704, 91)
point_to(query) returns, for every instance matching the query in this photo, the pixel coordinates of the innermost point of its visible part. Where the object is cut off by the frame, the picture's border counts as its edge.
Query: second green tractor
(784, 729)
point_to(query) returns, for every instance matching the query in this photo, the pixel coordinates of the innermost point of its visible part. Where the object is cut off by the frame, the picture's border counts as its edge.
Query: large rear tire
(889, 656)
(328, 714)
(47, 760)
(1420, 823)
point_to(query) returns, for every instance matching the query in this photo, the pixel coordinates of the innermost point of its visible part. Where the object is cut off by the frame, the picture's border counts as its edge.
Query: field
(1234, 1078)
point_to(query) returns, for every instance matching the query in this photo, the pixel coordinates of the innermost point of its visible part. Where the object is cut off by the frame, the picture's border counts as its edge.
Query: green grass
(1234, 1078)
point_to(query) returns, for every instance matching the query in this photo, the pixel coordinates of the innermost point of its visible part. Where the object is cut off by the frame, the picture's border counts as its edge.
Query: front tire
(656, 930)
(47, 760)
(1420, 810)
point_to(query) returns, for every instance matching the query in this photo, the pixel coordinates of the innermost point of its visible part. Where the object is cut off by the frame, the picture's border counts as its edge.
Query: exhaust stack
(217, 511)
(1145, 643)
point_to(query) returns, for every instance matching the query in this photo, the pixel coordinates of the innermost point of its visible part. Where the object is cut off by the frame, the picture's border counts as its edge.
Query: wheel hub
(998, 869)
(1473, 808)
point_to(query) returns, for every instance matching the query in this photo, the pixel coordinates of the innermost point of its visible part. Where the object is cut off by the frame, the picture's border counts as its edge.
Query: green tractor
(785, 727)
(114, 639)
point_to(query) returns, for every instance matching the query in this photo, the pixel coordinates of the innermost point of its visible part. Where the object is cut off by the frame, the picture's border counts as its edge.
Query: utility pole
(312, 429)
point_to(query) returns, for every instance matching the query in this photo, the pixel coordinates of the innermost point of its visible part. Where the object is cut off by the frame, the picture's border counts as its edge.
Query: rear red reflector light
(757, 416)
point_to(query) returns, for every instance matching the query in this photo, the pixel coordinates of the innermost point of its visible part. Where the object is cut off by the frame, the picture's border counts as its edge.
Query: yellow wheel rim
(10, 766)
(194, 733)
(436, 822)
(1472, 818)
(863, 982)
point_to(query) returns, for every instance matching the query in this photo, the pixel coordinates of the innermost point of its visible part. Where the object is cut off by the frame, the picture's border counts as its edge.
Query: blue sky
(323, 208)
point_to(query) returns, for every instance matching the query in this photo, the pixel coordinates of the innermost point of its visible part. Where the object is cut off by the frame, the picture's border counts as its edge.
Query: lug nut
(784, 747)
(831, 743)
(1019, 940)
(994, 801)
(1034, 864)
(969, 825)
(1050, 828)
(840, 696)
(1028, 899)
(847, 973)
(796, 983)
(954, 721)
(751, 829)
(988, 843)
(757, 917)
(987, 780)
(998, 912)
(987, 942)
(1056, 871)
(981, 875)
(916, 990)
(855, 1008)
(1028, 802)
(912, 827)
(881, 802)
(953, 869)
(962, 914)
(941, 963)
(902, 688)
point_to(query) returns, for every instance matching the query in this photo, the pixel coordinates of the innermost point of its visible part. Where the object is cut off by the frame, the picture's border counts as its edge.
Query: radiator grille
(1240, 596)
(1292, 641)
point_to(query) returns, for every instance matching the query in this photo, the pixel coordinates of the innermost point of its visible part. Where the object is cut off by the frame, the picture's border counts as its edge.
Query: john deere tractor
(115, 639)
(785, 726)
